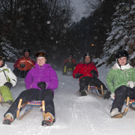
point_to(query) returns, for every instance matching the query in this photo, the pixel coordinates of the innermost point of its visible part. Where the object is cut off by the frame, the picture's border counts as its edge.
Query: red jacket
(84, 69)
(29, 63)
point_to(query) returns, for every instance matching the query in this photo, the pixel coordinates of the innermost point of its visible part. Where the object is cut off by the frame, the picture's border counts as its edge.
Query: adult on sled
(121, 81)
(68, 65)
(88, 75)
(40, 82)
(7, 80)
(24, 64)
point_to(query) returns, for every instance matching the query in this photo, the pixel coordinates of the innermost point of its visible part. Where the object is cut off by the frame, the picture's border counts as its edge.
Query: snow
(110, 38)
(75, 115)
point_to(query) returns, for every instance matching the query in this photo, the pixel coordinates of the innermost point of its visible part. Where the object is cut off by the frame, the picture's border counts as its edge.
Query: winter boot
(49, 119)
(84, 92)
(114, 112)
(8, 119)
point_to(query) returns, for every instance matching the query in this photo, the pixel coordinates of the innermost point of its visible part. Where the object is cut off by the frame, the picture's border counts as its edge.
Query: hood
(3, 67)
(127, 66)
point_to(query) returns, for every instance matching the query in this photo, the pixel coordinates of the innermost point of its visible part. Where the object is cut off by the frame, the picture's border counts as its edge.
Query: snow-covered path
(75, 115)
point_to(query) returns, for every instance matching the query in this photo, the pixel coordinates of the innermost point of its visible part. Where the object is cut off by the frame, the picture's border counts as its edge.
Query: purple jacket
(42, 74)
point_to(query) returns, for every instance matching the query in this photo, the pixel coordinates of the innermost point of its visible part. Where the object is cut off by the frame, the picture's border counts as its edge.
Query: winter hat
(1, 58)
(121, 53)
(41, 54)
(26, 50)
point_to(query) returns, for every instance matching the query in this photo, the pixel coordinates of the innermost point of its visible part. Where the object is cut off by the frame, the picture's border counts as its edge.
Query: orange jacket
(29, 64)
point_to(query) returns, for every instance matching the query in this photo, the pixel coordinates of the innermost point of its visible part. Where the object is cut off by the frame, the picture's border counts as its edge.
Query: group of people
(41, 80)
(120, 80)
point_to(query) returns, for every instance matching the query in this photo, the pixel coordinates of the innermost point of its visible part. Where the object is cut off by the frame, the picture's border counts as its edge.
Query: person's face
(1, 62)
(70, 56)
(41, 61)
(87, 59)
(122, 61)
(26, 54)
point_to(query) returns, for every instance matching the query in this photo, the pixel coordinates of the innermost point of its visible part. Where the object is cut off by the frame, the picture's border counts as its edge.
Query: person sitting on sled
(121, 81)
(69, 64)
(88, 75)
(24, 64)
(40, 83)
(7, 80)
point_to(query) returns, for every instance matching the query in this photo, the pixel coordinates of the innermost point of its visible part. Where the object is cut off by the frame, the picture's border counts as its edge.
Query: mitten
(78, 75)
(94, 73)
(22, 65)
(112, 96)
(8, 84)
(42, 85)
(131, 84)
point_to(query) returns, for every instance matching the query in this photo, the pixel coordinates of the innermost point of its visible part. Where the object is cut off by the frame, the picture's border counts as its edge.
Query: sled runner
(95, 90)
(29, 106)
(129, 104)
(125, 110)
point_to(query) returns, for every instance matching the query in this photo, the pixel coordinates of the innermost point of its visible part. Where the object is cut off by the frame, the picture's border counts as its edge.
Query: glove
(94, 73)
(106, 94)
(42, 85)
(112, 96)
(131, 84)
(22, 65)
(8, 84)
(78, 75)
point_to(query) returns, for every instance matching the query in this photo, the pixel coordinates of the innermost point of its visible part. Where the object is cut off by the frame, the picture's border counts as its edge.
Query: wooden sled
(94, 90)
(125, 110)
(29, 105)
(129, 104)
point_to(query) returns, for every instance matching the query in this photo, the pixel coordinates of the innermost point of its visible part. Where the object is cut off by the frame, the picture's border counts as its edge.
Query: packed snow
(75, 115)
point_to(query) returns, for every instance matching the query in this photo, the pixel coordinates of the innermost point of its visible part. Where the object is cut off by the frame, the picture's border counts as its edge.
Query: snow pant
(92, 81)
(121, 94)
(68, 67)
(6, 94)
(20, 73)
(34, 94)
